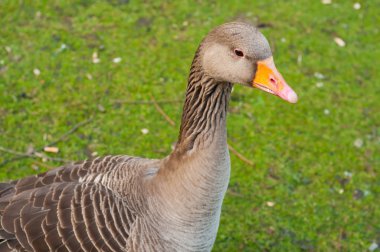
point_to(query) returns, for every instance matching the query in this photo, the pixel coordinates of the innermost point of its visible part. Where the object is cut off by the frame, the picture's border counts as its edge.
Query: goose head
(239, 53)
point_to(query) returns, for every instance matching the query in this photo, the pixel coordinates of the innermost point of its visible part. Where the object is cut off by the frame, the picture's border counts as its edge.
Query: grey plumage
(70, 208)
(122, 203)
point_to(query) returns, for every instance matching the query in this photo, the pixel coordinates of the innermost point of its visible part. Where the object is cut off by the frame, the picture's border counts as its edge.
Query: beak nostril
(273, 80)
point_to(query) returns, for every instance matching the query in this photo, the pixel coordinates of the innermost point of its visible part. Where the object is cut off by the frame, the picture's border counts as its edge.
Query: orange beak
(268, 79)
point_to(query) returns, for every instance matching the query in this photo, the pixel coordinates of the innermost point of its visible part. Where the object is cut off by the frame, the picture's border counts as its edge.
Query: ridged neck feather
(205, 109)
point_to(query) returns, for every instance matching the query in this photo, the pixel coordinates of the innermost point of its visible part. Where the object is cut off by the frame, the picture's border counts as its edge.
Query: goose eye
(239, 53)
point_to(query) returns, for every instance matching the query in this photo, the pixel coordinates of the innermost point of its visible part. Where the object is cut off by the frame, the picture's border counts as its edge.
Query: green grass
(303, 155)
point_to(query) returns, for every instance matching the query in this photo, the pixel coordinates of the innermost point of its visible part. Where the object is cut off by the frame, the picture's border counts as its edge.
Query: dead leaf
(51, 149)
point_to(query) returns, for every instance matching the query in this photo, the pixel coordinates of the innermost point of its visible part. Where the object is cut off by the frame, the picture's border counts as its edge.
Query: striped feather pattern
(73, 208)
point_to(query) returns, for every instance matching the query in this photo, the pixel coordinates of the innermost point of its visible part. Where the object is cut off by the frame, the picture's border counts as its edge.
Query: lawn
(83, 74)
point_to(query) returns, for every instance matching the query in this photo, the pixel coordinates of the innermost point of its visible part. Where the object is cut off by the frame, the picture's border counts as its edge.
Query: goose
(125, 203)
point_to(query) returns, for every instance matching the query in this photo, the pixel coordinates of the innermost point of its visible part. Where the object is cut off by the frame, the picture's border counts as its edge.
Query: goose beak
(268, 79)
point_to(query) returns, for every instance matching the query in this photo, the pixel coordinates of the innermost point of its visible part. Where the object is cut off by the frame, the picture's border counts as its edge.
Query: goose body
(123, 203)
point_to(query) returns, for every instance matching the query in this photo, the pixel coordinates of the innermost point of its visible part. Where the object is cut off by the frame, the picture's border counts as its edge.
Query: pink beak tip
(292, 97)
(288, 94)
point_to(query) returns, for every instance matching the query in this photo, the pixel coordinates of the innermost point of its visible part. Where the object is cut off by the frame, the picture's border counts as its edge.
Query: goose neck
(204, 112)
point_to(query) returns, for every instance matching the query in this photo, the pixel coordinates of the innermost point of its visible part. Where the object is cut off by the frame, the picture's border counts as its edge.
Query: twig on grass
(3, 149)
(236, 194)
(162, 112)
(240, 156)
(44, 165)
(39, 155)
(21, 155)
(71, 131)
(146, 102)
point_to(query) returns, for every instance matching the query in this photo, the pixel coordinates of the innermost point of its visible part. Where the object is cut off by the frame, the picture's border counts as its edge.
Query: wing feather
(70, 207)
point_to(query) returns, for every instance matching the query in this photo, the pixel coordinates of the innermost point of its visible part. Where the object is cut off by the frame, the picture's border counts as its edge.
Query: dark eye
(239, 53)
